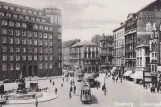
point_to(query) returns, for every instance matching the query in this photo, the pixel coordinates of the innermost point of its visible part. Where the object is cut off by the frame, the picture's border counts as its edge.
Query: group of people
(72, 88)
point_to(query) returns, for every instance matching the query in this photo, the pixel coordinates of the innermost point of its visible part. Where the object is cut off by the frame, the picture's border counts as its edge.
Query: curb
(32, 102)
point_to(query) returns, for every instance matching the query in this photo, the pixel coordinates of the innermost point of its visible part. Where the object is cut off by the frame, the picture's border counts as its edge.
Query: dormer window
(40, 13)
(12, 8)
(46, 28)
(4, 22)
(27, 18)
(5, 7)
(21, 17)
(18, 10)
(35, 26)
(41, 27)
(1, 14)
(24, 25)
(38, 20)
(43, 20)
(17, 24)
(24, 11)
(15, 16)
(30, 12)
(32, 18)
(11, 23)
(35, 13)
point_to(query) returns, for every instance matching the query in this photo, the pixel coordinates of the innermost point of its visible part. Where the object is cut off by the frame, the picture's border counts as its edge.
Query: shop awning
(127, 73)
(137, 75)
(113, 69)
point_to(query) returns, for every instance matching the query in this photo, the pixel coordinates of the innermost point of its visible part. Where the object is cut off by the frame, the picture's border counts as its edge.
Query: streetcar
(85, 95)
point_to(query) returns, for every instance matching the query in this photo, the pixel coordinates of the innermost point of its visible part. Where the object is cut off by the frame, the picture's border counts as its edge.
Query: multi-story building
(119, 46)
(66, 51)
(85, 55)
(106, 44)
(30, 41)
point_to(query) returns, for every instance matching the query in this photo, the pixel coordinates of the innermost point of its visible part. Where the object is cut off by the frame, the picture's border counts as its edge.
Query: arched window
(15, 15)
(24, 25)
(51, 28)
(46, 28)
(38, 19)
(1, 14)
(32, 18)
(11, 23)
(30, 12)
(41, 27)
(35, 26)
(43, 20)
(24, 11)
(8, 15)
(18, 10)
(21, 17)
(12, 8)
(35, 13)
(5, 7)
(17, 24)
(4, 22)
(27, 18)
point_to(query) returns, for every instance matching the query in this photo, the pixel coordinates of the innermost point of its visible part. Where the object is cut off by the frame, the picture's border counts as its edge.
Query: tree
(96, 39)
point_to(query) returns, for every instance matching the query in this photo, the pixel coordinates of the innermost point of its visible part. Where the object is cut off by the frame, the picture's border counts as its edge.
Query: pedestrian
(74, 89)
(36, 103)
(1, 96)
(71, 89)
(50, 80)
(116, 78)
(71, 82)
(56, 90)
(61, 84)
(70, 95)
(53, 83)
(63, 79)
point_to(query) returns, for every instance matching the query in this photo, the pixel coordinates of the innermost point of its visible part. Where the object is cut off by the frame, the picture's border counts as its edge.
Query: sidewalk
(42, 78)
(46, 97)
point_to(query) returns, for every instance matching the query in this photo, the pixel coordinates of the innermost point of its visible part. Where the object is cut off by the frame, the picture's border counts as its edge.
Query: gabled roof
(84, 43)
(69, 43)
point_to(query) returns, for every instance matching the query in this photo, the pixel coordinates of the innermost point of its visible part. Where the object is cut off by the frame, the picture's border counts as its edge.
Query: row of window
(27, 41)
(24, 25)
(24, 57)
(30, 49)
(26, 33)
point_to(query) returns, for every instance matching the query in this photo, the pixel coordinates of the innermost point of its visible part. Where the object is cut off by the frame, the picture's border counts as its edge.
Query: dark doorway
(24, 71)
(30, 70)
(35, 70)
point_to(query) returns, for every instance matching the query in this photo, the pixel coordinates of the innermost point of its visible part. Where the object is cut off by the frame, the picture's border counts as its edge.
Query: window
(40, 42)
(51, 28)
(23, 33)
(141, 61)
(29, 49)
(38, 19)
(35, 57)
(17, 66)
(29, 57)
(46, 57)
(35, 13)
(18, 10)
(35, 26)
(29, 41)
(35, 42)
(45, 42)
(24, 25)
(50, 50)
(46, 50)
(10, 40)
(40, 58)
(15, 16)
(17, 49)
(35, 34)
(45, 66)
(23, 41)
(1, 14)
(24, 11)
(40, 34)
(17, 32)
(4, 57)
(27, 18)
(4, 22)
(43, 20)
(40, 50)
(23, 49)
(46, 28)
(32, 19)
(50, 57)
(59, 36)
(4, 31)
(4, 40)
(24, 57)
(50, 35)
(50, 43)
(40, 66)
(30, 12)
(50, 65)
(10, 66)
(12, 8)
(40, 13)
(4, 67)
(8, 15)
(45, 35)
(17, 24)
(11, 58)
(17, 40)
(41, 27)
(5, 7)
(29, 34)
(11, 23)
(10, 49)
(4, 49)
(17, 57)
(35, 50)
(10, 31)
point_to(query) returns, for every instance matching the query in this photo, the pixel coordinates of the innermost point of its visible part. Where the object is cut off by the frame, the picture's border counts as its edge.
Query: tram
(85, 95)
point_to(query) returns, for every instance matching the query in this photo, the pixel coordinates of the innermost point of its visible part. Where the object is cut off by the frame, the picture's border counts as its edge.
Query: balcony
(154, 61)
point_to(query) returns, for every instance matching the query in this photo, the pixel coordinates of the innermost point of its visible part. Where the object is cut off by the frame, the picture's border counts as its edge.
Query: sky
(83, 19)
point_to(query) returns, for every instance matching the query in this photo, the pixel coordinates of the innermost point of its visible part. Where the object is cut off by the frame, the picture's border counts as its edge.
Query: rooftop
(84, 43)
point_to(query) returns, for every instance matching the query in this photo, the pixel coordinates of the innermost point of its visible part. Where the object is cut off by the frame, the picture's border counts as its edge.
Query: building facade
(119, 46)
(85, 55)
(30, 41)
(106, 44)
